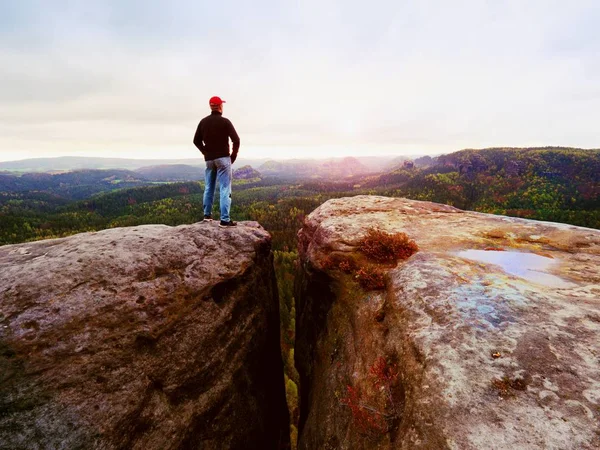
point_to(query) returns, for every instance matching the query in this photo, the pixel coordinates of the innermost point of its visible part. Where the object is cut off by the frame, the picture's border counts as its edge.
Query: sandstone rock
(487, 338)
(150, 337)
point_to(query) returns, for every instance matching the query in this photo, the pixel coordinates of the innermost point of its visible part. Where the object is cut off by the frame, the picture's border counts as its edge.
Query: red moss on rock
(387, 248)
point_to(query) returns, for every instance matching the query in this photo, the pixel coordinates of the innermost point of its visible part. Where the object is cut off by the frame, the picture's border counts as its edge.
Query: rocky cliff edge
(150, 337)
(487, 337)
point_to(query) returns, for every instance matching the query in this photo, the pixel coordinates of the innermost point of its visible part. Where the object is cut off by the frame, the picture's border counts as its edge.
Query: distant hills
(64, 163)
(83, 183)
(158, 167)
(172, 172)
(460, 171)
(246, 173)
(332, 169)
(553, 184)
(77, 184)
(81, 162)
(506, 162)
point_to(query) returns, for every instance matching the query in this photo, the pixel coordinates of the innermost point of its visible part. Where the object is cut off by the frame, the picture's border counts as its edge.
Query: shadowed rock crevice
(343, 335)
(315, 297)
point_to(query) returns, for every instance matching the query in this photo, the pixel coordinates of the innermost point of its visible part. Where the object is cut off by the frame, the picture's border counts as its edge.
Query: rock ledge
(150, 337)
(488, 354)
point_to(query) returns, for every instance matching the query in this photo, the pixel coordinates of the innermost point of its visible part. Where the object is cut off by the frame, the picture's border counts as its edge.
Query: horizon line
(241, 157)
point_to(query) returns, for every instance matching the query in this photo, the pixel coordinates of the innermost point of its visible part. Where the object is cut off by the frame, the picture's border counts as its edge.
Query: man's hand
(233, 157)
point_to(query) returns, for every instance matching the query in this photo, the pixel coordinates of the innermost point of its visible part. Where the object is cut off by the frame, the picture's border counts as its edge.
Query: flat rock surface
(149, 337)
(493, 327)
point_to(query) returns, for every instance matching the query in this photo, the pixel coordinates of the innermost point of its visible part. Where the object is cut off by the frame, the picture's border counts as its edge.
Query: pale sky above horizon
(301, 79)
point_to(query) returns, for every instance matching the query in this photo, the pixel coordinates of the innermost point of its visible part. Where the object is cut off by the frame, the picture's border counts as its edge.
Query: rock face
(151, 337)
(487, 337)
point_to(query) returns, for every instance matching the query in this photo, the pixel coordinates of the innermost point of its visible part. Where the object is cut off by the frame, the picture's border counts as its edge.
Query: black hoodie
(212, 137)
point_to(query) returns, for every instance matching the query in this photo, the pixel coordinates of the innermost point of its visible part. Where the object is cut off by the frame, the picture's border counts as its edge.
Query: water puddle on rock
(529, 266)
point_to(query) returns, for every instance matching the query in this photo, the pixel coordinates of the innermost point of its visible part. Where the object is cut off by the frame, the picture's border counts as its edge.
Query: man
(212, 139)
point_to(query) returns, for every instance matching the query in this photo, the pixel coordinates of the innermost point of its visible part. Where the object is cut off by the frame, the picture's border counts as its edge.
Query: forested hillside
(71, 185)
(561, 185)
(553, 184)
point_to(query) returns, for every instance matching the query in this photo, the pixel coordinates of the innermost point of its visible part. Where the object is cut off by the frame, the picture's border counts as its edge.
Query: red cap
(216, 101)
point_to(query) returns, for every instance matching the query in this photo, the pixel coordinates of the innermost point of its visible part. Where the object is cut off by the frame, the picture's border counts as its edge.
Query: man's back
(212, 137)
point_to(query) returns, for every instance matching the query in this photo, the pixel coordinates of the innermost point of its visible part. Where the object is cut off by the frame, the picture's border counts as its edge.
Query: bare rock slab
(150, 337)
(487, 337)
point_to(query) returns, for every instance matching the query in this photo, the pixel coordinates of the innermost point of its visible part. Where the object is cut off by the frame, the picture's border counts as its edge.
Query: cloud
(137, 75)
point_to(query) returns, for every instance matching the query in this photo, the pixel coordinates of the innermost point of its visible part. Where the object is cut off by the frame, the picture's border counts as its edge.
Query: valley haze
(375, 163)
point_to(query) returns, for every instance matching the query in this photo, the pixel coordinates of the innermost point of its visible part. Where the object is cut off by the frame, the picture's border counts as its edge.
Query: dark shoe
(208, 218)
(231, 223)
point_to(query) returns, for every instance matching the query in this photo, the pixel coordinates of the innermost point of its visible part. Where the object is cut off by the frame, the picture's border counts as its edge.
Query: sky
(132, 78)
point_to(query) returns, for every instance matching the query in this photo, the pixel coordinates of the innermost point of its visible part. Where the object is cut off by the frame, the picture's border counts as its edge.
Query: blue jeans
(220, 169)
